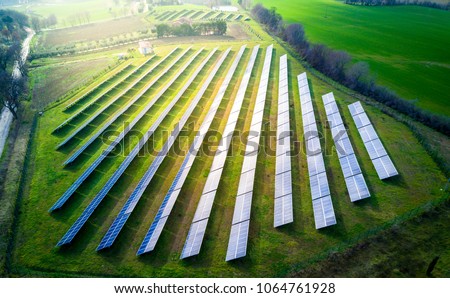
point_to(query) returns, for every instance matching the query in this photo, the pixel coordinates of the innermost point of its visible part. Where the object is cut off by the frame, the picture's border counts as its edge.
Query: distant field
(406, 46)
(95, 31)
(66, 12)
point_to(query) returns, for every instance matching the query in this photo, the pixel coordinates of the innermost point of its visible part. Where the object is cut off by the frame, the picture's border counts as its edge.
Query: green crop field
(406, 46)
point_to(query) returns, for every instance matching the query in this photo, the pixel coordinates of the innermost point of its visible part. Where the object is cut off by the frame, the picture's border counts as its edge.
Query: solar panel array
(71, 233)
(99, 112)
(129, 104)
(320, 192)
(354, 179)
(99, 96)
(380, 158)
(154, 232)
(197, 231)
(68, 193)
(237, 244)
(132, 201)
(283, 213)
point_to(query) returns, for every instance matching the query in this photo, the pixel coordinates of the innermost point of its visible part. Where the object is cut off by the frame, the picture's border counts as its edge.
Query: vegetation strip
(132, 201)
(129, 104)
(71, 233)
(70, 191)
(152, 236)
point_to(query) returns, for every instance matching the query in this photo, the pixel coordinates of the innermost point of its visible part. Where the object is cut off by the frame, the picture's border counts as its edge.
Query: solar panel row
(129, 104)
(110, 103)
(283, 213)
(99, 96)
(356, 184)
(163, 212)
(195, 237)
(320, 192)
(381, 161)
(71, 190)
(237, 244)
(71, 233)
(132, 201)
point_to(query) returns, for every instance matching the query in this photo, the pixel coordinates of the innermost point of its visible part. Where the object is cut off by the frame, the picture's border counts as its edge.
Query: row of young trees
(400, 2)
(12, 87)
(338, 65)
(218, 27)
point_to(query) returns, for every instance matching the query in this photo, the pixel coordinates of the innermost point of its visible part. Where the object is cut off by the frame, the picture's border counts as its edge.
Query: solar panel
(334, 119)
(204, 206)
(375, 149)
(313, 146)
(356, 108)
(246, 182)
(307, 108)
(368, 133)
(305, 98)
(237, 244)
(331, 108)
(361, 120)
(384, 167)
(283, 163)
(224, 145)
(308, 119)
(357, 187)
(323, 212)
(310, 131)
(354, 180)
(283, 211)
(319, 186)
(315, 164)
(194, 239)
(242, 208)
(283, 184)
(349, 165)
(343, 147)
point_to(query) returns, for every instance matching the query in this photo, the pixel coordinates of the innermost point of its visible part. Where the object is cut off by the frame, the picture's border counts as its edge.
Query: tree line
(399, 2)
(338, 66)
(217, 27)
(12, 87)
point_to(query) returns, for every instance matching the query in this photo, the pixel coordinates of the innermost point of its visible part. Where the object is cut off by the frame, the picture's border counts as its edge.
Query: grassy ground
(404, 251)
(52, 81)
(406, 46)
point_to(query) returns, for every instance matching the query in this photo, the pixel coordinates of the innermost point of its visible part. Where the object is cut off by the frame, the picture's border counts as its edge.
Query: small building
(145, 47)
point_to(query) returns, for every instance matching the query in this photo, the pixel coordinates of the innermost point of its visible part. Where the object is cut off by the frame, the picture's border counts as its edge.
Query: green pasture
(407, 47)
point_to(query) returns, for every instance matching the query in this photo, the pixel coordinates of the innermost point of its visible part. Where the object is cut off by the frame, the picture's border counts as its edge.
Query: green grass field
(406, 46)
(271, 252)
